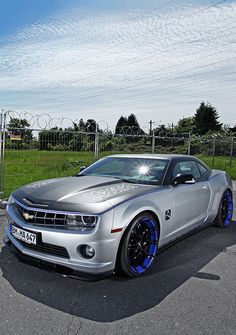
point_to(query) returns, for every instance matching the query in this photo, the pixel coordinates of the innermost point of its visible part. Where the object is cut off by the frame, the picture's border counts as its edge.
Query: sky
(103, 59)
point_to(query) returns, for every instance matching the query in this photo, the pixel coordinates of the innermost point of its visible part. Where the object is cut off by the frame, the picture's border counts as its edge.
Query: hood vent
(32, 203)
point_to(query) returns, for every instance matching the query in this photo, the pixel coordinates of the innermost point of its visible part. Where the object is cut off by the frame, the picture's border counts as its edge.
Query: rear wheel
(225, 212)
(139, 246)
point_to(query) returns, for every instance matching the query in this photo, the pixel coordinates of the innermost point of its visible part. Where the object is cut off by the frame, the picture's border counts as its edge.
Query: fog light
(87, 251)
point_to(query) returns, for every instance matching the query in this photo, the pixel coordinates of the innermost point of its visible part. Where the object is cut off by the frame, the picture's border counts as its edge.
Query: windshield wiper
(122, 179)
(126, 180)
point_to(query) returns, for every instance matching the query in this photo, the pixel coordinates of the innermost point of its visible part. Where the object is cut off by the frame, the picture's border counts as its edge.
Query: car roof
(153, 156)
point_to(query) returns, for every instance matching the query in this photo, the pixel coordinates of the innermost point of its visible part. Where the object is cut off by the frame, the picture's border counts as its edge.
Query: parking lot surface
(191, 290)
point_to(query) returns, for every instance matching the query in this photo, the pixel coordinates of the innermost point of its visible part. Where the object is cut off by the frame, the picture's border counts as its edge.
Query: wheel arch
(228, 189)
(219, 183)
(222, 222)
(220, 197)
(149, 211)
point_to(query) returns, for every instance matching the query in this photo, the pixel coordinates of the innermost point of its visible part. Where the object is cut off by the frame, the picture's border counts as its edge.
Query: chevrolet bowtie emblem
(27, 216)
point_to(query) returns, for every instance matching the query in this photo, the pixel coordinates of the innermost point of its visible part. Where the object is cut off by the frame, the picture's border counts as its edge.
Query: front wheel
(225, 211)
(139, 246)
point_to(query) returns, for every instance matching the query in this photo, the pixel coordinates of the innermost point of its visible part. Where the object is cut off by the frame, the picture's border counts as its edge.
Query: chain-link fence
(46, 148)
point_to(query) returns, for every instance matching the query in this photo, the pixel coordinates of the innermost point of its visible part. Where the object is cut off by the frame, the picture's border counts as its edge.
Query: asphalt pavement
(191, 290)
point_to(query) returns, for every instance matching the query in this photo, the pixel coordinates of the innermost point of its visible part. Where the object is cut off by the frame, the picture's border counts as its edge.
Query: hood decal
(39, 184)
(102, 193)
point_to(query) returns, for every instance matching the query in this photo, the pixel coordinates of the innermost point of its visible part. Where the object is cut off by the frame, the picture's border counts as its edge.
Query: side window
(202, 169)
(186, 167)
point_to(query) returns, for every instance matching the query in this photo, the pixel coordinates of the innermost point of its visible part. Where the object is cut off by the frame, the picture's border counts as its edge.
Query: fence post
(231, 151)
(189, 143)
(1, 124)
(3, 138)
(153, 142)
(213, 153)
(96, 146)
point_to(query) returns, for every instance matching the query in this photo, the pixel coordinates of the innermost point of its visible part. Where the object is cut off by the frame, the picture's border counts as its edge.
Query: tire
(225, 211)
(139, 246)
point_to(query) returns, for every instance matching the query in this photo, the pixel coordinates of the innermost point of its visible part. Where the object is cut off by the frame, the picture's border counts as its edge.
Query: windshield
(136, 170)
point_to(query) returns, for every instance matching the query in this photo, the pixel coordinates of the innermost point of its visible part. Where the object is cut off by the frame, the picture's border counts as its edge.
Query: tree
(81, 126)
(206, 119)
(133, 123)
(160, 130)
(163, 130)
(18, 123)
(19, 126)
(49, 138)
(128, 125)
(91, 126)
(233, 129)
(121, 123)
(185, 125)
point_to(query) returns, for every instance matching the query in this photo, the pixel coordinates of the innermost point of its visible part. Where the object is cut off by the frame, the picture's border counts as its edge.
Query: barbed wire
(46, 122)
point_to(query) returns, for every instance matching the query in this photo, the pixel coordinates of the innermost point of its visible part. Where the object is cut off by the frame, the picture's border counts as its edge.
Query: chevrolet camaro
(116, 214)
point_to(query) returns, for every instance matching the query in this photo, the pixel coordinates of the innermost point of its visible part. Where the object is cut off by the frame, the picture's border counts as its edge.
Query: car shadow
(117, 298)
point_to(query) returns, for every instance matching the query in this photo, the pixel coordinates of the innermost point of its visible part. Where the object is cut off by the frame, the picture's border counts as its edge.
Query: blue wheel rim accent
(227, 208)
(151, 250)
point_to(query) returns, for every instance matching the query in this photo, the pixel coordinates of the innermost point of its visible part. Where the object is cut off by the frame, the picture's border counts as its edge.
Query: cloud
(92, 60)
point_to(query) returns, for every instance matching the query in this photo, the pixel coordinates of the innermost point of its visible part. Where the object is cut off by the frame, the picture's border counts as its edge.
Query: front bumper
(101, 239)
(48, 266)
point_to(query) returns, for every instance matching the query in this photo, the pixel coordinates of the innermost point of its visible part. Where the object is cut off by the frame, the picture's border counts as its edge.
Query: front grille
(42, 218)
(46, 248)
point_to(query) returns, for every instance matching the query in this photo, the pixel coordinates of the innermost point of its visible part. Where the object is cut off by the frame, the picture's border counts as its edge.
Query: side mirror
(82, 168)
(183, 179)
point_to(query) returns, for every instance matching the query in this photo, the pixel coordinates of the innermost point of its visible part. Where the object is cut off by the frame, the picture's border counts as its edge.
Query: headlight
(82, 221)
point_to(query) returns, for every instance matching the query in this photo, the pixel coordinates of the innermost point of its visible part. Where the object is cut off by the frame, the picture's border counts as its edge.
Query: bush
(57, 147)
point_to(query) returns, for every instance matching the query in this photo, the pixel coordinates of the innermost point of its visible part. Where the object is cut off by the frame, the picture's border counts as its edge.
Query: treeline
(204, 121)
(81, 136)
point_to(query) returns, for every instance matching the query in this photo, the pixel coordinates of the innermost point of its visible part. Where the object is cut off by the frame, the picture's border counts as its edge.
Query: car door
(191, 201)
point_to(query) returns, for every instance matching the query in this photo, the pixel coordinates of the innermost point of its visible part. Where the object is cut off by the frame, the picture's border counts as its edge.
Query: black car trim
(49, 266)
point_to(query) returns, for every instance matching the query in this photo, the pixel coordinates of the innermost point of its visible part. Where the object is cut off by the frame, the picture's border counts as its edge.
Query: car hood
(87, 194)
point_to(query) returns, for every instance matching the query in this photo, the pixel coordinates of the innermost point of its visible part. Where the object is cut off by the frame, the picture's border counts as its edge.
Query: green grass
(221, 163)
(25, 166)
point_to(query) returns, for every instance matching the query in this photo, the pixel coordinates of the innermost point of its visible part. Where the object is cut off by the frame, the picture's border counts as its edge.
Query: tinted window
(186, 167)
(111, 167)
(202, 169)
(137, 170)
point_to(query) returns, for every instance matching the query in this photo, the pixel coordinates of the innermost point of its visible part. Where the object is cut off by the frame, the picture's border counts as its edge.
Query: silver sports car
(115, 214)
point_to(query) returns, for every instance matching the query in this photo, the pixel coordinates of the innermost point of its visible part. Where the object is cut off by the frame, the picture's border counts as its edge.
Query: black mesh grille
(51, 249)
(42, 218)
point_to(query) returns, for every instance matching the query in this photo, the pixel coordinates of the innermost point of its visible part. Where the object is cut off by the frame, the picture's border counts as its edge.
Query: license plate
(23, 235)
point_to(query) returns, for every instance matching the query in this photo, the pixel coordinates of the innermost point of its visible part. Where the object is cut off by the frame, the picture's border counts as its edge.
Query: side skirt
(199, 228)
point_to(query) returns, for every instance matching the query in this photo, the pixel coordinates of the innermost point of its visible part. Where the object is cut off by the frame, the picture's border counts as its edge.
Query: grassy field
(25, 166)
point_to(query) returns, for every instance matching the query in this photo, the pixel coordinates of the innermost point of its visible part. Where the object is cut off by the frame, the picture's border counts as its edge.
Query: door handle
(205, 187)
